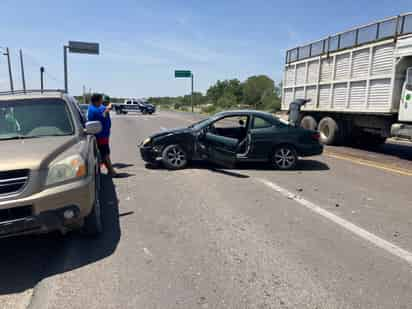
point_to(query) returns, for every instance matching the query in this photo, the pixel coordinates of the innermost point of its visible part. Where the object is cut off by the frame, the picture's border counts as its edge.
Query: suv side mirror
(93, 127)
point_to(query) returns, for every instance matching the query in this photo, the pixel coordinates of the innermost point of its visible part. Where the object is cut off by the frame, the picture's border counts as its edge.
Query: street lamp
(7, 54)
(77, 48)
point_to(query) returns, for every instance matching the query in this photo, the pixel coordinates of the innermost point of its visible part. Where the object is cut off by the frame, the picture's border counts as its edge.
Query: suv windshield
(34, 118)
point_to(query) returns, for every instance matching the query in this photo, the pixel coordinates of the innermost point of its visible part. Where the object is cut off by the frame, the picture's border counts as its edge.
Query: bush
(209, 109)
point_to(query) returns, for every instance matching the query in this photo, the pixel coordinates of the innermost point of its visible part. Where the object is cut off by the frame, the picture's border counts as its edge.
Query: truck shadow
(25, 261)
(401, 151)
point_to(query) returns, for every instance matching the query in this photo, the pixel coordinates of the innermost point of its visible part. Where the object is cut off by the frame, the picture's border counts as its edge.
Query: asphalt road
(335, 233)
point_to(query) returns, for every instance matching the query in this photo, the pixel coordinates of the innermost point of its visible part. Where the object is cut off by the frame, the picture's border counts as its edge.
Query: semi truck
(359, 83)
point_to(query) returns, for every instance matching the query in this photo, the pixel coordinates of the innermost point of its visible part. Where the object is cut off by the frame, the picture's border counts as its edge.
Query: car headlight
(69, 168)
(146, 141)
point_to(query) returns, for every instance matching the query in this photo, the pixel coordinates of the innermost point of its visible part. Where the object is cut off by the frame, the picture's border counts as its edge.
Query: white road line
(372, 238)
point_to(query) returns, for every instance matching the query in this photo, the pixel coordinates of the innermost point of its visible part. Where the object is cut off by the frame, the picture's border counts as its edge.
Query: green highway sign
(183, 74)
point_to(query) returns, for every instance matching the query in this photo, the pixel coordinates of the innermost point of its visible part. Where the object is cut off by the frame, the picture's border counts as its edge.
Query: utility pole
(7, 53)
(42, 79)
(23, 78)
(66, 83)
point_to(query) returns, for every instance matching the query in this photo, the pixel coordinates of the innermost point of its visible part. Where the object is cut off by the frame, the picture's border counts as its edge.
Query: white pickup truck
(359, 82)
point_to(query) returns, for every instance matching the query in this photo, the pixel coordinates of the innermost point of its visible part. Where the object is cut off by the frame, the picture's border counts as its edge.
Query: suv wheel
(93, 222)
(174, 157)
(285, 157)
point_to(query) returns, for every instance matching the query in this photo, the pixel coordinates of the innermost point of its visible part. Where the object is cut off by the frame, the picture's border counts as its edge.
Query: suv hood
(33, 153)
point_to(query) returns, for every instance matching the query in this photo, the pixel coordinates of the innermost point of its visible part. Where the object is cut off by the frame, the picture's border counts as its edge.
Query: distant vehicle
(133, 105)
(49, 167)
(359, 83)
(230, 137)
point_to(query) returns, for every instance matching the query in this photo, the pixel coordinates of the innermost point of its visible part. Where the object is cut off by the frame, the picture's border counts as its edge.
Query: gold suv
(49, 165)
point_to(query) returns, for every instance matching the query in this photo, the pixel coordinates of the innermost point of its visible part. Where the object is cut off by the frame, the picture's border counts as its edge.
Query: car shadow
(122, 165)
(302, 165)
(25, 261)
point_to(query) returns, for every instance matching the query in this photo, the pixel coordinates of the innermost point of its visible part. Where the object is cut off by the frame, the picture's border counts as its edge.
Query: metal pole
(10, 73)
(66, 87)
(42, 79)
(192, 94)
(84, 94)
(23, 78)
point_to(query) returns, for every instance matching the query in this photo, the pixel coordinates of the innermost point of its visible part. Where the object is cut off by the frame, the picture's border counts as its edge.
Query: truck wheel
(329, 131)
(308, 122)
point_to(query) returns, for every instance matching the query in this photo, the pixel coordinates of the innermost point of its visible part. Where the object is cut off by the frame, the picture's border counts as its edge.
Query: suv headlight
(69, 168)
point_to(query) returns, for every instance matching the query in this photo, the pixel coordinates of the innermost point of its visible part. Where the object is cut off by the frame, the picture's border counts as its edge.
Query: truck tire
(308, 122)
(329, 131)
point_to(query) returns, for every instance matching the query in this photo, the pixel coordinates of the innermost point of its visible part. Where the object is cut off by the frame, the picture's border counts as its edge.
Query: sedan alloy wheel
(174, 157)
(285, 158)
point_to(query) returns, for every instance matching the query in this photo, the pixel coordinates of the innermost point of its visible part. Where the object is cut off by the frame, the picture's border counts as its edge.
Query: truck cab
(405, 108)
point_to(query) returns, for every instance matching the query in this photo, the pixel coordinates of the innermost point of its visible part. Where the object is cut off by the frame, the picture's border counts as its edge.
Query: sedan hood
(33, 153)
(172, 131)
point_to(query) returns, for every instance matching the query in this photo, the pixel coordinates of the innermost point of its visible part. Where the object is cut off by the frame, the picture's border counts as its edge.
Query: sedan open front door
(220, 149)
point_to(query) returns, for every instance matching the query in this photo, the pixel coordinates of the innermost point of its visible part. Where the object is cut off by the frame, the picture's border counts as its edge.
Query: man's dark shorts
(104, 150)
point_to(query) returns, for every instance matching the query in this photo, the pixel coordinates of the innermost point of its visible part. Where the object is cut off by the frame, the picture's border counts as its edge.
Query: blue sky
(142, 42)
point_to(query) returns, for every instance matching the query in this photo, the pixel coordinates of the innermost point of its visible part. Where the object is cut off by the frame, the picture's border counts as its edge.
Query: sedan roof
(241, 112)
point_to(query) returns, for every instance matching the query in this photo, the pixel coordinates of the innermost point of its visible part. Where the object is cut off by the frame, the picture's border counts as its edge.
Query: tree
(271, 102)
(227, 100)
(255, 88)
(218, 90)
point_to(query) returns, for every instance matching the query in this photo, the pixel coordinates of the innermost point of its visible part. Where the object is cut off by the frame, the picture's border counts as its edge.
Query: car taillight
(316, 136)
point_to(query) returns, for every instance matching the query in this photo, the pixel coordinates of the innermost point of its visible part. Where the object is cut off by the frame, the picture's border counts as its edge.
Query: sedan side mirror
(93, 127)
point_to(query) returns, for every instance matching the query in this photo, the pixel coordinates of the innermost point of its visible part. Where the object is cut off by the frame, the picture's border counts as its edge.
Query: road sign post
(187, 74)
(76, 47)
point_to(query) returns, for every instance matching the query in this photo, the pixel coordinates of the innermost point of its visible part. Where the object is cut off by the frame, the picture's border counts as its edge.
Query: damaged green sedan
(230, 137)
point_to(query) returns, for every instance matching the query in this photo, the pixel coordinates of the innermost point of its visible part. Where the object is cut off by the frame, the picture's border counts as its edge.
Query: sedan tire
(284, 157)
(174, 157)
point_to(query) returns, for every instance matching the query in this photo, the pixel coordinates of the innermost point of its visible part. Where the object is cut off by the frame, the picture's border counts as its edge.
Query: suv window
(260, 123)
(35, 118)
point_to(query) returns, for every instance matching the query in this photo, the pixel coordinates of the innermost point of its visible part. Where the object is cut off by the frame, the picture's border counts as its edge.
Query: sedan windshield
(21, 119)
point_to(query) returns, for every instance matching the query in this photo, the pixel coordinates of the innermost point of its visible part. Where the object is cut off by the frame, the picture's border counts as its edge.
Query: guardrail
(383, 29)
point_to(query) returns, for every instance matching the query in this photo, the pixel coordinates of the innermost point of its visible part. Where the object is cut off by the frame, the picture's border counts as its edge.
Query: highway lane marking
(369, 163)
(349, 226)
